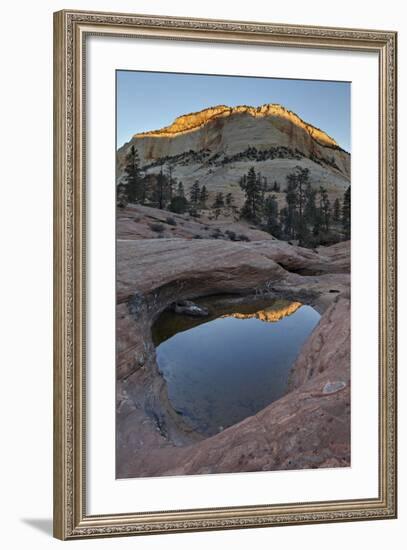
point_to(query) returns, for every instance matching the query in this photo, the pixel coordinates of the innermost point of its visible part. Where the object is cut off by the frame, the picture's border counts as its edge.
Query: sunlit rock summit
(217, 145)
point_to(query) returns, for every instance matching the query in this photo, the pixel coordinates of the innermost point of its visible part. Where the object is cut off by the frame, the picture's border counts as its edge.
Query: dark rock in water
(186, 307)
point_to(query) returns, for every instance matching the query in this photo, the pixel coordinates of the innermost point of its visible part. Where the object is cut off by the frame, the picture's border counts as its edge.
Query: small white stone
(332, 387)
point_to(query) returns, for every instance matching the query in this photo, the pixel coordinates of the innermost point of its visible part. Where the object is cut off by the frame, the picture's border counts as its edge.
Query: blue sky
(150, 100)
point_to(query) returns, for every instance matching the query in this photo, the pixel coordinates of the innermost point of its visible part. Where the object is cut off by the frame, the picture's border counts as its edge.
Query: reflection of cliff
(269, 315)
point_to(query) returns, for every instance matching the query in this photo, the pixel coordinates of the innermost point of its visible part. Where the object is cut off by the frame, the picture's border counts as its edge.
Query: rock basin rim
(150, 438)
(235, 355)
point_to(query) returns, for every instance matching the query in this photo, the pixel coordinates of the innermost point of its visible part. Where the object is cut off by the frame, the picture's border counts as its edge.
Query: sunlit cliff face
(269, 315)
(193, 121)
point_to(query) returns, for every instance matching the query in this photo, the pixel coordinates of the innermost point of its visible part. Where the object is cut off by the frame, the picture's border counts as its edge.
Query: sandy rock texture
(309, 427)
(211, 146)
(143, 222)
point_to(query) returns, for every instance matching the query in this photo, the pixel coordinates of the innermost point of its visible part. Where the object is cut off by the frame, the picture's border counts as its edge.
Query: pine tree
(170, 182)
(265, 184)
(310, 210)
(204, 196)
(161, 190)
(317, 225)
(291, 197)
(219, 201)
(251, 185)
(337, 211)
(133, 178)
(271, 214)
(325, 208)
(180, 190)
(229, 200)
(299, 198)
(195, 193)
(292, 202)
(121, 195)
(346, 212)
(303, 184)
(178, 204)
(259, 182)
(284, 221)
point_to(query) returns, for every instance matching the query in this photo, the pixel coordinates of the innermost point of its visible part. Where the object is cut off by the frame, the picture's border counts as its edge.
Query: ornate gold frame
(70, 31)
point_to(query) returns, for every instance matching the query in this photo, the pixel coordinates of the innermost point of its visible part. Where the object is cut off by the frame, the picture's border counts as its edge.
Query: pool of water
(225, 367)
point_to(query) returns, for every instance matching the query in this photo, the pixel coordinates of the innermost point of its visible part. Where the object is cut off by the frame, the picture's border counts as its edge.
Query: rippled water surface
(228, 366)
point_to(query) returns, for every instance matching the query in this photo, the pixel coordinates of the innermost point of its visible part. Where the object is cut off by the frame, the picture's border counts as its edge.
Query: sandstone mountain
(216, 146)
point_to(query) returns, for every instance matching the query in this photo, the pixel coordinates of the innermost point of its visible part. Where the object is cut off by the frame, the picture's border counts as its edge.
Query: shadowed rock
(308, 427)
(186, 307)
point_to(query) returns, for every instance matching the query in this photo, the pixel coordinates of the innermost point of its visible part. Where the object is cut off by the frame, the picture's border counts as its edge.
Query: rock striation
(216, 146)
(309, 427)
(193, 121)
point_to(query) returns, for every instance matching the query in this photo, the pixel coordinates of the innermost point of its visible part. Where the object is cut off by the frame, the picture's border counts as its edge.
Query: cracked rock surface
(309, 427)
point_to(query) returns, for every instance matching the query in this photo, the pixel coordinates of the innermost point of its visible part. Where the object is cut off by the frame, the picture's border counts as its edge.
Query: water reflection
(229, 366)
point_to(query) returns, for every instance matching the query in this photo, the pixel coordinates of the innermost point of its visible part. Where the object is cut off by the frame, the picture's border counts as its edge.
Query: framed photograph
(225, 274)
